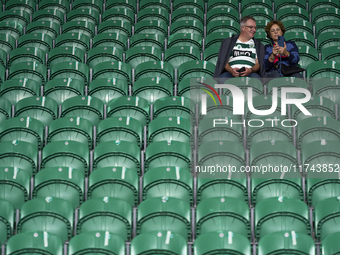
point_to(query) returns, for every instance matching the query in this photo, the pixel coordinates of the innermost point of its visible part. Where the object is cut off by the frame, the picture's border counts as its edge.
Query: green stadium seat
(168, 153)
(140, 54)
(81, 27)
(120, 128)
(283, 4)
(60, 182)
(106, 214)
(7, 42)
(5, 109)
(223, 242)
(174, 106)
(121, 4)
(101, 54)
(39, 242)
(195, 68)
(16, 89)
(69, 154)
(117, 13)
(223, 26)
(211, 54)
(330, 244)
(108, 69)
(153, 14)
(83, 14)
(79, 40)
(214, 39)
(152, 27)
(187, 14)
(322, 69)
(164, 214)
(258, 13)
(7, 213)
(298, 26)
(54, 215)
(150, 69)
(286, 82)
(28, 69)
(326, 217)
(293, 13)
(327, 26)
(330, 53)
(51, 15)
(37, 40)
(281, 214)
(185, 39)
(11, 28)
(71, 129)
(70, 69)
(28, 6)
(61, 89)
(222, 214)
(115, 182)
(286, 242)
(313, 4)
(133, 107)
(23, 129)
(107, 89)
(187, 26)
(117, 40)
(192, 87)
(262, 103)
(116, 154)
(222, 4)
(115, 26)
(222, 13)
(97, 242)
(214, 109)
(164, 4)
(319, 189)
(307, 55)
(172, 182)
(328, 39)
(153, 40)
(256, 4)
(301, 38)
(152, 89)
(325, 13)
(244, 83)
(14, 186)
(50, 28)
(88, 4)
(65, 53)
(25, 54)
(20, 16)
(159, 242)
(86, 107)
(326, 87)
(41, 108)
(61, 5)
(170, 129)
(178, 55)
(188, 4)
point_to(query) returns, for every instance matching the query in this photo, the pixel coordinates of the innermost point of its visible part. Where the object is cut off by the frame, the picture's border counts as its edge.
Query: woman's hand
(276, 49)
(283, 50)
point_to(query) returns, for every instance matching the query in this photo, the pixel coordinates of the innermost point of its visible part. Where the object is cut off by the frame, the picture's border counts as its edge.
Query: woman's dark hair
(273, 22)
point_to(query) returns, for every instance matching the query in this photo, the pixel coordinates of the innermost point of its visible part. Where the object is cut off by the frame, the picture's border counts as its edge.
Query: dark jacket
(292, 60)
(227, 46)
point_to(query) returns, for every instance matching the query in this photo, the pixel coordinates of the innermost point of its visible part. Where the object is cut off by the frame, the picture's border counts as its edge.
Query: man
(239, 51)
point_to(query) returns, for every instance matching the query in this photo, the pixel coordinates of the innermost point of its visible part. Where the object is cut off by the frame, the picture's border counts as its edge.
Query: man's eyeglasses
(277, 30)
(251, 27)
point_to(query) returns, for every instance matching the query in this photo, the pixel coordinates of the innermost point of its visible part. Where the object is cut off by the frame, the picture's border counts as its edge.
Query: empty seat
(20, 16)
(54, 215)
(61, 182)
(116, 182)
(66, 154)
(281, 214)
(24, 54)
(189, 4)
(155, 69)
(106, 214)
(83, 14)
(327, 87)
(71, 129)
(287, 82)
(174, 106)
(115, 26)
(244, 83)
(39, 242)
(313, 4)
(140, 54)
(117, 13)
(187, 26)
(5, 109)
(81, 27)
(120, 128)
(28, 69)
(298, 26)
(37, 40)
(116, 154)
(153, 40)
(97, 242)
(325, 13)
(70, 69)
(53, 15)
(7, 213)
(222, 4)
(107, 69)
(164, 214)
(61, 89)
(172, 182)
(103, 53)
(19, 88)
(107, 89)
(151, 27)
(289, 242)
(211, 54)
(110, 39)
(41, 108)
(195, 68)
(158, 242)
(23, 129)
(7, 42)
(88, 4)
(222, 13)
(121, 4)
(223, 26)
(178, 55)
(223, 214)
(187, 14)
(292, 13)
(133, 107)
(327, 26)
(330, 53)
(62, 5)
(328, 39)
(50, 28)
(12, 28)
(185, 39)
(79, 40)
(323, 186)
(152, 89)
(165, 5)
(330, 244)
(15, 187)
(28, 6)
(301, 38)
(222, 241)
(65, 53)
(307, 55)
(153, 14)
(168, 153)
(283, 4)
(87, 107)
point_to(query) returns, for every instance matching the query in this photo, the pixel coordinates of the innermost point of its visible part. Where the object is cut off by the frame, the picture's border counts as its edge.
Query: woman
(289, 54)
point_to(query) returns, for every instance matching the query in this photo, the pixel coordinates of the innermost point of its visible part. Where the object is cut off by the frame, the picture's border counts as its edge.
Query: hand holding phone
(281, 41)
(241, 70)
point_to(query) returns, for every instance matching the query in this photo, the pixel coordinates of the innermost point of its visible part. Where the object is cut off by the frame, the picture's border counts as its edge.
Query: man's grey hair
(245, 19)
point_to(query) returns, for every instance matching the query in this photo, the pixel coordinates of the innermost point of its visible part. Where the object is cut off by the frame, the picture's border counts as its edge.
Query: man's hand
(235, 73)
(246, 72)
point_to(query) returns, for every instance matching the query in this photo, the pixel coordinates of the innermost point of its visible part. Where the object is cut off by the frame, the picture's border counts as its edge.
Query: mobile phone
(241, 70)
(281, 41)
